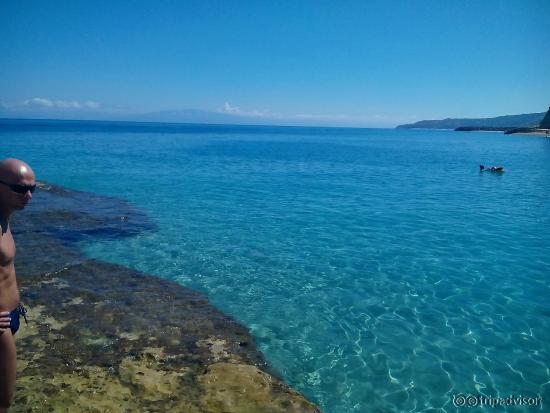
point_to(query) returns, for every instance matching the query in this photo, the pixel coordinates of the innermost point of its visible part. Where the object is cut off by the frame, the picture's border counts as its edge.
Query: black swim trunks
(14, 315)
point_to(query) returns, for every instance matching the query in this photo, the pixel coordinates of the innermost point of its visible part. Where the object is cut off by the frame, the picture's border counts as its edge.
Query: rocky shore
(507, 131)
(105, 338)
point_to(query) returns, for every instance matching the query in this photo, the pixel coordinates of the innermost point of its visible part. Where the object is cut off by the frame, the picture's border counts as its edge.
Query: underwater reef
(105, 338)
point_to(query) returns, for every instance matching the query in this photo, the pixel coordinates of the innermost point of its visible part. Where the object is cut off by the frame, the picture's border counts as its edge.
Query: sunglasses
(20, 189)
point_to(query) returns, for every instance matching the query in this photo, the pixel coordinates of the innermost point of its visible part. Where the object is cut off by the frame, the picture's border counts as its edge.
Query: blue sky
(356, 63)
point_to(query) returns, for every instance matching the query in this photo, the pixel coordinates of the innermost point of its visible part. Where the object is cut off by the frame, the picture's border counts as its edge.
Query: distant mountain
(198, 116)
(510, 121)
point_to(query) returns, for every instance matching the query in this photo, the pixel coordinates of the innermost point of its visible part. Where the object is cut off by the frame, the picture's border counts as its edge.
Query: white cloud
(235, 110)
(39, 102)
(227, 108)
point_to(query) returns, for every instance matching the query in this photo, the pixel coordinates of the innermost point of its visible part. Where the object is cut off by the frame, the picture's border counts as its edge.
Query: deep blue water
(378, 269)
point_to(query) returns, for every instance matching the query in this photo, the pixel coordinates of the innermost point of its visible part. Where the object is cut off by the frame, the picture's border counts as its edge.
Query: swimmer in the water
(491, 169)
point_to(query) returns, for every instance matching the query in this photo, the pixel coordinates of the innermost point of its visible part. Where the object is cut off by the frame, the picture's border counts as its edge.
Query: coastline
(538, 132)
(508, 131)
(102, 337)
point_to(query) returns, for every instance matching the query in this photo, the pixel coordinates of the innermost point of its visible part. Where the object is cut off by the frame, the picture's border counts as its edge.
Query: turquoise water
(378, 269)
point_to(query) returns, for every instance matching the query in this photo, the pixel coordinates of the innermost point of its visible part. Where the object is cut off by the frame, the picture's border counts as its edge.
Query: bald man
(17, 183)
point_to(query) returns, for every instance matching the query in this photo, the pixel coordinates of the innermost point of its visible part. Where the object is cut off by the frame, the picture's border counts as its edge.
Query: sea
(378, 269)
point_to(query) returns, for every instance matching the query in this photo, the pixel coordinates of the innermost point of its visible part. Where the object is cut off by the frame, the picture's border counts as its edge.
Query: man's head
(17, 181)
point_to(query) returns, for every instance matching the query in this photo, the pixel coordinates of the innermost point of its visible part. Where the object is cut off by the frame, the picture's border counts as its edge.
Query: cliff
(545, 123)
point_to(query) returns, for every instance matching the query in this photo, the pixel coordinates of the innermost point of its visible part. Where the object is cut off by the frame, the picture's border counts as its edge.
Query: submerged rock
(105, 338)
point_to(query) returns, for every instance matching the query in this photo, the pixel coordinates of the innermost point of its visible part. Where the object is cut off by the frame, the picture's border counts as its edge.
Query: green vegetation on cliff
(503, 122)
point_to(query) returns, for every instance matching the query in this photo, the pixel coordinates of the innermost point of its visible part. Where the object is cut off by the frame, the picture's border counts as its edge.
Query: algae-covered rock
(244, 388)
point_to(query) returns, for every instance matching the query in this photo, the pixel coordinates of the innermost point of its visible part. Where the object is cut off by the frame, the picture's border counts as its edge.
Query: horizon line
(193, 123)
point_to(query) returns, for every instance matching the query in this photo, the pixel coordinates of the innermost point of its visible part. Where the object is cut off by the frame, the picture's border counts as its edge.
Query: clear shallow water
(378, 269)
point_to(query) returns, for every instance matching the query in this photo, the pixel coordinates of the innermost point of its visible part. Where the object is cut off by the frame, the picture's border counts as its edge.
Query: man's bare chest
(7, 249)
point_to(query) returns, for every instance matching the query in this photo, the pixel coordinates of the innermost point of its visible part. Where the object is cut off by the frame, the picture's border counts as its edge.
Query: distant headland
(525, 123)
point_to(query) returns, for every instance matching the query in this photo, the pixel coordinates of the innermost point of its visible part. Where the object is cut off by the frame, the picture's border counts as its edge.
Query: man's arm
(4, 321)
